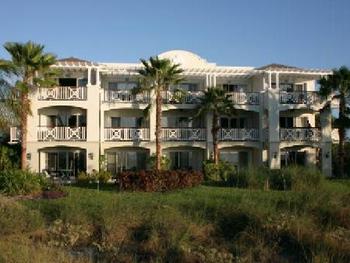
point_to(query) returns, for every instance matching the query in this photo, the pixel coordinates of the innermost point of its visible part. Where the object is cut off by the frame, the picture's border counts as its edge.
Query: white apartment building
(280, 118)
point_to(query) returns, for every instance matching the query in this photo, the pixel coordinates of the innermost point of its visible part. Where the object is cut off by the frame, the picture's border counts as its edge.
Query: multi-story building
(280, 118)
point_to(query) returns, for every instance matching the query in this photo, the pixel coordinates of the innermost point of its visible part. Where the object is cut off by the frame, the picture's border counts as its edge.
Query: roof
(275, 66)
(292, 69)
(75, 62)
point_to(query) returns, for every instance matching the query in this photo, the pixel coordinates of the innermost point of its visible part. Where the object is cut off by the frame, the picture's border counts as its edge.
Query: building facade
(280, 118)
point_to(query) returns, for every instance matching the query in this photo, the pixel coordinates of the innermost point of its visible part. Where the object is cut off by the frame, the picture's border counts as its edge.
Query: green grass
(202, 224)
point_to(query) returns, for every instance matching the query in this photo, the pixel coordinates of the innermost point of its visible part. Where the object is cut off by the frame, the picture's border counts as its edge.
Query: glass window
(122, 85)
(115, 122)
(224, 123)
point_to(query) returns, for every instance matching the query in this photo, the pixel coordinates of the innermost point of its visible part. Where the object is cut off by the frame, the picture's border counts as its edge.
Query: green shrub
(150, 181)
(164, 162)
(8, 158)
(221, 172)
(14, 182)
(101, 176)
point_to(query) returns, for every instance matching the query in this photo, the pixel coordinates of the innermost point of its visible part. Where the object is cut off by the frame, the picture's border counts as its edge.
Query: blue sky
(306, 33)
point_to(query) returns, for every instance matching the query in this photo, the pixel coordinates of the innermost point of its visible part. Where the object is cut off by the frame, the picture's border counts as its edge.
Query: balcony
(181, 97)
(61, 134)
(244, 98)
(126, 96)
(126, 134)
(299, 97)
(63, 93)
(300, 134)
(184, 134)
(239, 135)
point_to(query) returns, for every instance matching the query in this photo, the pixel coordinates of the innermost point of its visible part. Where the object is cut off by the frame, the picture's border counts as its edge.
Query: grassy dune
(203, 224)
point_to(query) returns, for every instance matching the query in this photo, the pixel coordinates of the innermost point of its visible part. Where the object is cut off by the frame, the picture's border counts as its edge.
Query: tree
(29, 68)
(338, 84)
(157, 75)
(216, 102)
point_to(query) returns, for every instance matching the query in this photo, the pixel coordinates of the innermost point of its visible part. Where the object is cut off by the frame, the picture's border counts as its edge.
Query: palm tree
(156, 75)
(30, 67)
(339, 84)
(216, 102)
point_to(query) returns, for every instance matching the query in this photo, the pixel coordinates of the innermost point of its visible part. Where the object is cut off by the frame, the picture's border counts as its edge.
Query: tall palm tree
(156, 75)
(30, 67)
(216, 102)
(339, 84)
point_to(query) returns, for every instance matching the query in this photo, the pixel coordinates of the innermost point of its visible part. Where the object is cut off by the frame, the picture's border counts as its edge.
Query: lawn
(202, 224)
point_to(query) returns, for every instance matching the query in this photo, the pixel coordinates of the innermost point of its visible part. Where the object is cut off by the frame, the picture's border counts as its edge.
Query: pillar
(274, 154)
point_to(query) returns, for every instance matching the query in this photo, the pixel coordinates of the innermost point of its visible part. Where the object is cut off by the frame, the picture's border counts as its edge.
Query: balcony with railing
(300, 134)
(125, 96)
(62, 133)
(299, 97)
(184, 134)
(181, 97)
(239, 134)
(63, 93)
(126, 134)
(244, 98)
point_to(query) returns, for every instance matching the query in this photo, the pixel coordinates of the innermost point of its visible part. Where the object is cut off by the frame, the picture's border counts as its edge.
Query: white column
(98, 77)
(273, 124)
(89, 76)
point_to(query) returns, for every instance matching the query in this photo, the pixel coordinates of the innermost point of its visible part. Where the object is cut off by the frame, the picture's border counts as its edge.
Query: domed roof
(186, 59)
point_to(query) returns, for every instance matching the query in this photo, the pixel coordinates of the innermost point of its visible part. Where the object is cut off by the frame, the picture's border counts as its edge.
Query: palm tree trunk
(158, 130)
(23, 128)
(214, 132)
(341, 132)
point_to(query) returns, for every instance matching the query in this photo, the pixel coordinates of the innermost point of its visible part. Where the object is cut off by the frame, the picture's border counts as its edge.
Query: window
(234, 87)
(82, 82)
(122, 85)
(287, 87)
(181, 160)
(126, 161)
(67, 82)
(233, 123)
(286, 122)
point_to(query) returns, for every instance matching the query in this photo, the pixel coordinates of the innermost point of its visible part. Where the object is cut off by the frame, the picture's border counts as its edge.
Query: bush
(150, 181)
(9, 158)
(101, 176)
(223, 171)
(15, 182)
(164, 162)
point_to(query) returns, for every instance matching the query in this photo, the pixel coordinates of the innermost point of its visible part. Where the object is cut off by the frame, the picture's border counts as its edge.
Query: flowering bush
(150, 181)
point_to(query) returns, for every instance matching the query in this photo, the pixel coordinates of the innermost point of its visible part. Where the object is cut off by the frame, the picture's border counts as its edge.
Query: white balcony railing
(63, 93)
(244, 98)
(184, 134)
(126, 134)
(125, 96)
(300, 134)
(61, 134)
(299, 97)
(239, 134)
(15, 134)
(181, 97)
